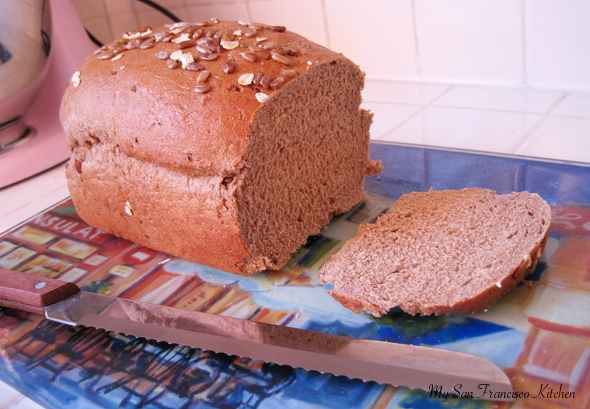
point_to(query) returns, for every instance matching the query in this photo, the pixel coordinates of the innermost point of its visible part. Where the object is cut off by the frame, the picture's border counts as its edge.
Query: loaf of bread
(224, 143)
(441, 252)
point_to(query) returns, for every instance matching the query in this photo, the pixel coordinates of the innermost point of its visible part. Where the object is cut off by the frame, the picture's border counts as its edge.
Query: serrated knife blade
(435, 370)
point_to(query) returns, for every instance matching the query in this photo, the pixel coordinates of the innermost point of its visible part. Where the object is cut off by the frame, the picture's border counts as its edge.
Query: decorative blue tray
(540, 336)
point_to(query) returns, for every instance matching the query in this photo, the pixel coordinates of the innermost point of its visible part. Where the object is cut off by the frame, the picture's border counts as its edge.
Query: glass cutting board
(540, 335)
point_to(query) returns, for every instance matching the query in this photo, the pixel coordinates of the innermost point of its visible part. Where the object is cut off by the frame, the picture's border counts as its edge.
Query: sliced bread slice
(441, 252)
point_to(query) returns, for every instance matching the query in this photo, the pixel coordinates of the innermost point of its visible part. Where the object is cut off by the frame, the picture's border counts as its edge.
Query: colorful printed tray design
(540, 335)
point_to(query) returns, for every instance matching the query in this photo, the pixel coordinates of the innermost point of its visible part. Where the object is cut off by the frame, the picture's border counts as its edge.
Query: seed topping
(186, 59)
(230, 45)
(249, 32)
(185, 44)
(209, 57)
(128, 209)
(75, 79)
(138, 34)
(246, 79)
(265, 81)
(228, 67)
(280, 29)
(201, 42)
(281, 58)
(162, 55)
(277, 83)
(181, 38)
(106, 55)
(289, 73)
(257, 77)
(194, 66)
(176, 55)
(249, 56)
(202, 77)
(147, 44)
(261, 97)
(202, 88)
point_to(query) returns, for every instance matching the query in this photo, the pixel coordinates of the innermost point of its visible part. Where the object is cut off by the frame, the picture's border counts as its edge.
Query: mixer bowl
(25, 42)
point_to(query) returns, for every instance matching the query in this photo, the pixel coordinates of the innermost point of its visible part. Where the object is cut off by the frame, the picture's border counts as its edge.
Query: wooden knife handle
(31, 293)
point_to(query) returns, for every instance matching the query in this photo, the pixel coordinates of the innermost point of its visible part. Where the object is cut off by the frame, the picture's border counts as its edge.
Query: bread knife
(433, 370)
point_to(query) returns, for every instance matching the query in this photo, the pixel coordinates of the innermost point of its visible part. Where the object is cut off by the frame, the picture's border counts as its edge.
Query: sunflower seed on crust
(202, 88)
(281, 58)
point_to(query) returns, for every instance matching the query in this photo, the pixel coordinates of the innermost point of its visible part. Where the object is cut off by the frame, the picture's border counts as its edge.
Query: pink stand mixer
(42, 44)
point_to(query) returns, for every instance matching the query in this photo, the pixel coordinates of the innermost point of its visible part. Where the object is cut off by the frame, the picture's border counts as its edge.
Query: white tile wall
(514, 99)
(225, 11)
(576, 105)
(540, 43)
(559, 138)
(542, 123)
(470, 41)
(558, 43)
(490, 131)
(376, 34)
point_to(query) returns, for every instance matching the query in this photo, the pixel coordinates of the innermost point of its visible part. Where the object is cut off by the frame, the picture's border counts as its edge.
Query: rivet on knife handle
(31, 293)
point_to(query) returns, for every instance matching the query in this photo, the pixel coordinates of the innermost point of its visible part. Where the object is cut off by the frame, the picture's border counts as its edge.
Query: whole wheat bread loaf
(441, 252)
(225, 143)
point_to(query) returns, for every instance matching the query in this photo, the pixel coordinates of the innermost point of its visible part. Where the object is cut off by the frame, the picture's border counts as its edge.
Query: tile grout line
(475, 84)
(523, 11)
(506, 111)
(325, 18)
(467, 108)
(519, 143)
(418, 112)
(433, 103)
(442, 94)
(248, 11)
(418, 59)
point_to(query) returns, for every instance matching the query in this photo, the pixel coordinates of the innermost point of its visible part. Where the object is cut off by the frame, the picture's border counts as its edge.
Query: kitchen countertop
(549, 124)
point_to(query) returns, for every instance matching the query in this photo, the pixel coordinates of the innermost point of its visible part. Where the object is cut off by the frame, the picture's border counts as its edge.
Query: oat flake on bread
(441, 252)
(225, 143)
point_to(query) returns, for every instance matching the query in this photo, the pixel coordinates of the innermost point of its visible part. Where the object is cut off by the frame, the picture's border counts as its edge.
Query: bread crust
(153, 113)
(167, 210)
(160, 164)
